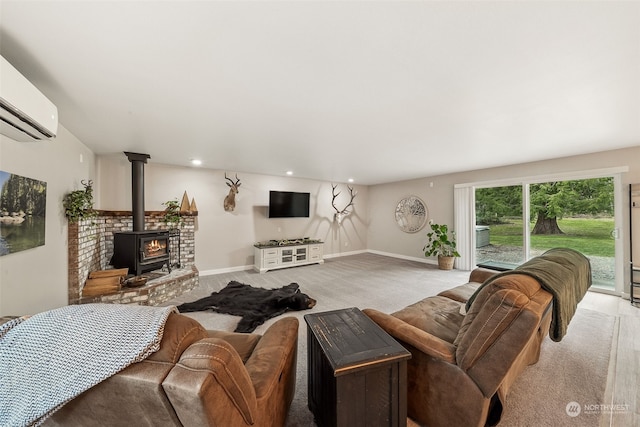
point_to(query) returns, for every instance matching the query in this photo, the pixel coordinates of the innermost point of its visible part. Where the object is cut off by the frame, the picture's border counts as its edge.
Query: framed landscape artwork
(23, 204)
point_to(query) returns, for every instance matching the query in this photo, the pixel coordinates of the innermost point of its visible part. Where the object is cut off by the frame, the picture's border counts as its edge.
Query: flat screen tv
(288, 204)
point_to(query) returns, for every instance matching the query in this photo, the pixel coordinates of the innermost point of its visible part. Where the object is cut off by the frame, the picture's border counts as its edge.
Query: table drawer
(270, 253)
(315, 249)
(271, 262)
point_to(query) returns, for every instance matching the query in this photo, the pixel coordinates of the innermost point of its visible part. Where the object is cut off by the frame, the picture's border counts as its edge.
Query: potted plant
(441, 244)
(172, 214)
(78, 204)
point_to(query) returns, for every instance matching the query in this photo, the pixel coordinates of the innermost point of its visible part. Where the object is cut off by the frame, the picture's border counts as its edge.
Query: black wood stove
(140, 250)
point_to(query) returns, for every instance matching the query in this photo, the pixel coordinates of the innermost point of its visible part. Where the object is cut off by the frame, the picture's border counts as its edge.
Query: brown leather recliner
(197, 378)
(462, 366)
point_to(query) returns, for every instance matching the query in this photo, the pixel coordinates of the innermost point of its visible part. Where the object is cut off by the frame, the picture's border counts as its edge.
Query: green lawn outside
(591, 236)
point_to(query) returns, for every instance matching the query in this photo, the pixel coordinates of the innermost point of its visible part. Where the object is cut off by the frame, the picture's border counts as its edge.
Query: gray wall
(36, 279)
(437, 192)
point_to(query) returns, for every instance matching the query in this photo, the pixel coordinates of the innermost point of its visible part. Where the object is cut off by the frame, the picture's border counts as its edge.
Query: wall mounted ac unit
(25, 113)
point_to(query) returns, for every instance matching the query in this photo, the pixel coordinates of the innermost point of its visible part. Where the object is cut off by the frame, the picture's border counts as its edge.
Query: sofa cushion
(522, 288)
(461, 293)
(243, 343)
(483, 326)
(438, 315)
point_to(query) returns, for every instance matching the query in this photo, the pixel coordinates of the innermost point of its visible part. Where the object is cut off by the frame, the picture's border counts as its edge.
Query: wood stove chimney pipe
(137, 188)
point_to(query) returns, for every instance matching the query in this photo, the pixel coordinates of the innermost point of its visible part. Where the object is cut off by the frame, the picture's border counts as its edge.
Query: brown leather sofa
(197, 378)
(463, 365)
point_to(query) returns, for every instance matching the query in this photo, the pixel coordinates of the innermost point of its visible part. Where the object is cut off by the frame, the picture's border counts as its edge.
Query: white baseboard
(408, 258)
(341, 254)
(226, 270)
(328, 256)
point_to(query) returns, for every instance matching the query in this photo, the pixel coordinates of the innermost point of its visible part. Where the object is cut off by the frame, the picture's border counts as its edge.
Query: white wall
(224, 240)
(36, 279)
(384, 236)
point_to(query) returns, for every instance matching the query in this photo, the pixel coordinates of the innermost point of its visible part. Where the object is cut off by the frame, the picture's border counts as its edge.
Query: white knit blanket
(48, 359)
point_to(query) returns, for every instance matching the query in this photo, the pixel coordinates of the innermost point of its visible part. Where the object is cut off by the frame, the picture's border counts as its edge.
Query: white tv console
(272, 257)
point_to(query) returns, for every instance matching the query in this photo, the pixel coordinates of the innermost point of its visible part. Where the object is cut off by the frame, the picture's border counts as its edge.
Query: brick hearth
(91, 248)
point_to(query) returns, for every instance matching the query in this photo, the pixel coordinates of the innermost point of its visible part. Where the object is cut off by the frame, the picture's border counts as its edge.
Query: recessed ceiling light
(350, 180)
(289, 172)
(196, 162)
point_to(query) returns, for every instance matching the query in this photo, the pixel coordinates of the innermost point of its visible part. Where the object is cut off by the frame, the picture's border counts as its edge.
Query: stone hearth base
(155, 291)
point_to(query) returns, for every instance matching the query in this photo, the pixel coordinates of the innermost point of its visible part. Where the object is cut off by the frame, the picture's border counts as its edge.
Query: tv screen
(287, 204)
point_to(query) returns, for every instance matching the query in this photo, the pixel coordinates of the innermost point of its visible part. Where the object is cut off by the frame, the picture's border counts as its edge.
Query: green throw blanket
(563, 272)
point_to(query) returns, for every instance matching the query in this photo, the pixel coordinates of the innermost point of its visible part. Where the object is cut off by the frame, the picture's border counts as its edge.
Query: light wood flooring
(624, 363)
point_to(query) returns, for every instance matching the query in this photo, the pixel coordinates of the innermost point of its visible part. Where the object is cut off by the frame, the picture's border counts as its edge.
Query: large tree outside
(551, 201)
(576, 214)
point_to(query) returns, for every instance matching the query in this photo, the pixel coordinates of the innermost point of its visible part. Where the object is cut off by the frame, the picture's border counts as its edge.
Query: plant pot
(445, 262)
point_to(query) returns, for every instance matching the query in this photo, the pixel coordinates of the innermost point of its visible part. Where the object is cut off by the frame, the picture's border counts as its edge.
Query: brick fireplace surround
(91, 248)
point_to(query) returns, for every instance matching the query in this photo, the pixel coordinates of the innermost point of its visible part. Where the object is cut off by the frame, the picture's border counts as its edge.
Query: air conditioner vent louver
(25, 113)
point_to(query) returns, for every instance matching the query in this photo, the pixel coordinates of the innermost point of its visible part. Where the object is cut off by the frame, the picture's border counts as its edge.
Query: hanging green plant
(172, 214)
(78, 204)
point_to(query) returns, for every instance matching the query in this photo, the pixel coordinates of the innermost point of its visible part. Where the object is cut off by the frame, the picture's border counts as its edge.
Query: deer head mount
(230, 200)
(341, 214)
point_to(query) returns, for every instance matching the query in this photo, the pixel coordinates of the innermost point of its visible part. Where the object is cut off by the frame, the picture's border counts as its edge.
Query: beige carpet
(572, 370)
(568, 372)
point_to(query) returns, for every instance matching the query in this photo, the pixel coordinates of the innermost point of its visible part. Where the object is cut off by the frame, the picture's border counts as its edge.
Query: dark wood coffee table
(357, 372)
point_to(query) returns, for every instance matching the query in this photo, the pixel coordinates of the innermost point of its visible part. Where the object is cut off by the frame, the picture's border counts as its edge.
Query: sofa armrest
(209, 385)
(480, 275)
(276, 350)
(421, 340)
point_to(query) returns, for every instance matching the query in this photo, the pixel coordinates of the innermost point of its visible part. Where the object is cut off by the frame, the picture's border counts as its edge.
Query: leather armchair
(197, 378)
(463, 365)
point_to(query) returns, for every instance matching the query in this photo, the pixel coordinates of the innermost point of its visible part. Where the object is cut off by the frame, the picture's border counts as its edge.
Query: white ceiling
(375, 91)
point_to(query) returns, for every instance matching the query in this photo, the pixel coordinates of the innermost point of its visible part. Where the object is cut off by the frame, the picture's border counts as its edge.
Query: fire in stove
(155, 248)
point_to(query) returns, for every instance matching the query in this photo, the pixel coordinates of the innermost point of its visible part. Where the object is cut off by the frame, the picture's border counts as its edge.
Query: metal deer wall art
(230, 200)
(341, 214)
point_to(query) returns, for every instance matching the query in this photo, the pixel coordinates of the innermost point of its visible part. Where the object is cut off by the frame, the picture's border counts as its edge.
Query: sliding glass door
(499, 227)
(577, 214)
(517, 222)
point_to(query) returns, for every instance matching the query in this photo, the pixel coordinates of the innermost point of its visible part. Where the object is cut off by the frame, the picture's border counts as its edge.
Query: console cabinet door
(286, 256)
(301, 253)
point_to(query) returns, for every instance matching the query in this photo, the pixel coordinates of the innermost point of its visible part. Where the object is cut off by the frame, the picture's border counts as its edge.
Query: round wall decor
(411, 214)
